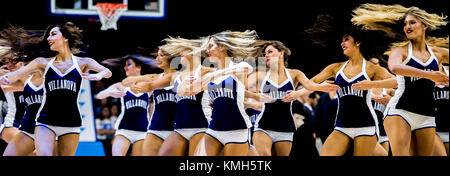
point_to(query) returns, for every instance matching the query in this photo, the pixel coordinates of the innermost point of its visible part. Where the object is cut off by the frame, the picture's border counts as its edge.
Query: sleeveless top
(134, 113)
(33, 96)
(228, 113)
(61, 92)
(277, 115)
(354, 106)
(165, 104)
(190, 110)
(416, 94)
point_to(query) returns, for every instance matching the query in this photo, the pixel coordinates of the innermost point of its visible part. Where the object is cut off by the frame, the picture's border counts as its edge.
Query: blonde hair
(239, 44)
(259, 45)
(385, 17)
(179, 46)
(431, 41)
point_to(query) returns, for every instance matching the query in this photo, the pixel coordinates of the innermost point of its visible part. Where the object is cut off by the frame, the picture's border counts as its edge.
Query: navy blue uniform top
(33, 98)
(165, 104)
(416, 94)
(16, 109)
(379, 111)
(61, 91)
(277, 115)
(189, 111)
(354, 106)
(134, 113)
(20, 108)
(442, 109)
(252, 114)
(228, 112)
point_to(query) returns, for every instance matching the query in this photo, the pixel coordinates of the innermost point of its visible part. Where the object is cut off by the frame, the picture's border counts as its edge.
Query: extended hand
(291, 96)
(382, 99)
(362, 85)
(327, 86)
(439, 77)
(264, 98)
(117, 94)
(141, 87)
(4, 80)
(91, 77)
(129, 81)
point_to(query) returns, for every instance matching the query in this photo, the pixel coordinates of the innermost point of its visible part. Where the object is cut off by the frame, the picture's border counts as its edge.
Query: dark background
(281, 20)
(273, 20)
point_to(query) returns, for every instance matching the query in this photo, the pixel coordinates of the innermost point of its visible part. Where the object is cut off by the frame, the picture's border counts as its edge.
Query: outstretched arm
(252, 88)
(191, 86)
(91, 64)
(396, 67)
(381, 79)
(13, 87)
(313, 86)
(116, 90)
(141, 87)
(135, 79)
(251, 103)
(33, 66)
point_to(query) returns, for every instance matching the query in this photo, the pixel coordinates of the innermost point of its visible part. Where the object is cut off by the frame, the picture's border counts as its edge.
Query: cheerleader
(276, 134)
(228, 131)
(411, 112)
(355, 119)
(59, 116)
(131, 126)
(161, 122)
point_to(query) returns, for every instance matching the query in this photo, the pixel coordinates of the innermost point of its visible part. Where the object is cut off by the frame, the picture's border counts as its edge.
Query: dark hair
(353, 31)
(136, 61)
(68, 31)
(381, 60)
(280, 47)
(326, 30)
(23, 43)
(313, 95)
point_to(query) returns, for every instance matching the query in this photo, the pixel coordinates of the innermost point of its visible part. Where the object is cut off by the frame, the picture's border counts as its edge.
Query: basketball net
(109, 14)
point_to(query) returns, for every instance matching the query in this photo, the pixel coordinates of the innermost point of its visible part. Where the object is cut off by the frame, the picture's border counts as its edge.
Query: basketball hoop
(109, 14)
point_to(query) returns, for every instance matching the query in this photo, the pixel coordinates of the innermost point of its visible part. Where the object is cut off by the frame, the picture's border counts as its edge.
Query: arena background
(281, 20)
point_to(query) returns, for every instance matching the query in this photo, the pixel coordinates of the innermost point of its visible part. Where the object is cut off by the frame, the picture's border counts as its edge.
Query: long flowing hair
(389, 18)
(239, 44)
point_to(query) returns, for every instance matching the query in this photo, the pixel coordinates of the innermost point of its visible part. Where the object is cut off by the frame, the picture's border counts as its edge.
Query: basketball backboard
(136, 8)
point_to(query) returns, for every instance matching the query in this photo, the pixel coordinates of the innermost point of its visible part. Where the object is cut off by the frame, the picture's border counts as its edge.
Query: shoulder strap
(288, 74)
(410, 50)
(342, 68)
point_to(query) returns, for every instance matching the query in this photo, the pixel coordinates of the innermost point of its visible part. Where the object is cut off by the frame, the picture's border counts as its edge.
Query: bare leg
(120, 146)
(200, 150)
(439, 147)
(174, 145)
(399, 134)
(364, 145)
(67, 144)
(194, 142)
(336, 144)
(282, 148)
(45, 141)
(236, 149)
(137, 148)
(9, 133)
(152, 143)
(425, 141)
(212, 146)
(20, 145)
(262, 143)
(379, 150)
